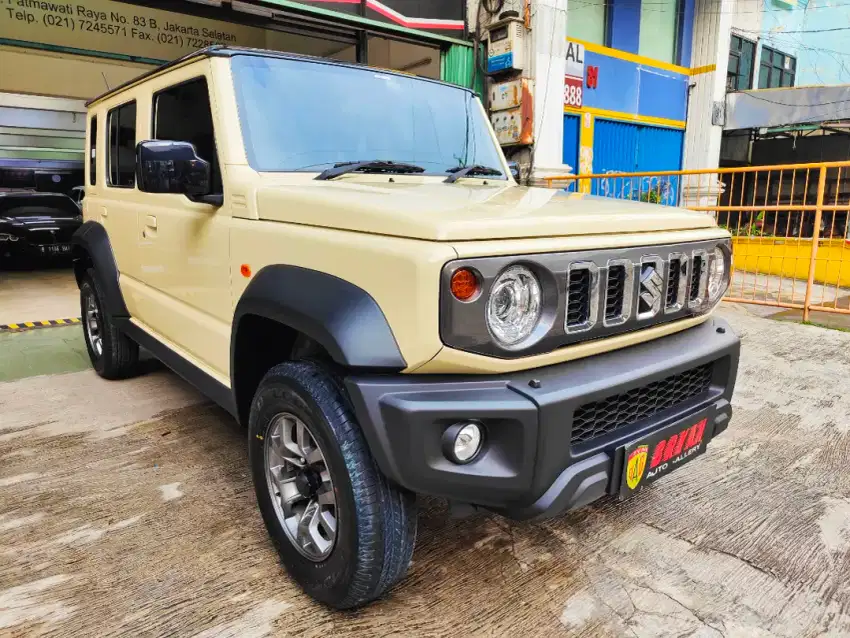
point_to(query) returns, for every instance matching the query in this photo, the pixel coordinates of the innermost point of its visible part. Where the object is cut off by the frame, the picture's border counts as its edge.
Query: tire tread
(386, 514)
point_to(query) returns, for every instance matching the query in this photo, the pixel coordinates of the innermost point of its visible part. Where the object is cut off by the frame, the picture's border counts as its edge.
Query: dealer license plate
(655, 455)
(56, 249)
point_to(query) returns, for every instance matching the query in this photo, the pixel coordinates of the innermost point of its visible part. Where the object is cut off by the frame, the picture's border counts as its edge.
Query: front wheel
(344, 533)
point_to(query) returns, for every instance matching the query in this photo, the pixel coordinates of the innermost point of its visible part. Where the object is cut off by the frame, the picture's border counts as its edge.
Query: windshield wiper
(370, 166)
(474, 169)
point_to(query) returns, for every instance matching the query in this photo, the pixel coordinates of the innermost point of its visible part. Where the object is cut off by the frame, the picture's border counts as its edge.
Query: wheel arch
(289, 312)
(91, 248)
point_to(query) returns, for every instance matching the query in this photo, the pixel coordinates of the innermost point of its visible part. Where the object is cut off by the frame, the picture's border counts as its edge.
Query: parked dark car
(37, 225)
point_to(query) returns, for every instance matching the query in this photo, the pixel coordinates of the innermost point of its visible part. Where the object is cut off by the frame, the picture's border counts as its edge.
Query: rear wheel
(113, 354)
(344, 533)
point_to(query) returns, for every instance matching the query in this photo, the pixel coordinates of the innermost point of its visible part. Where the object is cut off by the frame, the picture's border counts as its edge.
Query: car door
(112, 182)
(184, 244)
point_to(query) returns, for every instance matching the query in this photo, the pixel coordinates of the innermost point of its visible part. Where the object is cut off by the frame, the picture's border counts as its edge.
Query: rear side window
(122, 145)
(182, 114)
(93, 151)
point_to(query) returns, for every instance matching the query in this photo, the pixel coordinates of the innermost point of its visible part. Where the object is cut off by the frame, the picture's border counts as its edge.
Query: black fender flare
(91, 242)
(343, 318)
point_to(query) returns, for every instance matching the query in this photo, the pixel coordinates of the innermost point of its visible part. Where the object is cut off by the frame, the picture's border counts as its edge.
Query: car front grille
(578, 297)
(614, 292)
(696, 275)
(673, 279)
(587, 294)
(598, 418)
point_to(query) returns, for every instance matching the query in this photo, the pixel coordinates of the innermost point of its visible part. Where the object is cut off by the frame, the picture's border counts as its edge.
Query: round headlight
(514, 306)
(718, 275)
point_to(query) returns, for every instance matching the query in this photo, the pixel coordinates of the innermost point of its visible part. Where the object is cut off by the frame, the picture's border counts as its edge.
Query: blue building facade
(630, 112)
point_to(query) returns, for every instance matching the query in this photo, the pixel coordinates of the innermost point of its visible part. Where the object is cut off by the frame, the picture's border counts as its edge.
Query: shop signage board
(113, 27)
(574, 75)
(104, 26)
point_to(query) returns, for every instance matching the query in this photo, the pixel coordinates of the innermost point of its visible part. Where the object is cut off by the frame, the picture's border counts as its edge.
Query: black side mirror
(515, 172)
(171, 167)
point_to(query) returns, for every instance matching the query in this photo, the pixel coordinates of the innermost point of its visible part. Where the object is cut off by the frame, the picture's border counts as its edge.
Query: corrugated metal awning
(765, 108)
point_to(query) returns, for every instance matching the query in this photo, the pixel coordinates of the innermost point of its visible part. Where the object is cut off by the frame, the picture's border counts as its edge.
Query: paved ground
(126, 509)
(38, 295)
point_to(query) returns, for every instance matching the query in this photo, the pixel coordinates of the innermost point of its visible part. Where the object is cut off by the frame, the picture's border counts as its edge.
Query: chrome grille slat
(578, 301)
(582, 297)
(673, 282)
(614, 291)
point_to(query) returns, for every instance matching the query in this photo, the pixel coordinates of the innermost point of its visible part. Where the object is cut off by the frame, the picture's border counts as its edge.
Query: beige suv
(339, 256)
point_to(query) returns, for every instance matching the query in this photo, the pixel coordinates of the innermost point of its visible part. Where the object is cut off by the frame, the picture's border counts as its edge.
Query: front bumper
(532, 466)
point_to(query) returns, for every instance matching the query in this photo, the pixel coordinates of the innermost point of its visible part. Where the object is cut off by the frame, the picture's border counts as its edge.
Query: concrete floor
(38, 295)
(126, 508)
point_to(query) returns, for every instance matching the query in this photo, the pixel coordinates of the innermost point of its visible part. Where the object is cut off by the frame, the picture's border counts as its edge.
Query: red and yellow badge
(636, 465)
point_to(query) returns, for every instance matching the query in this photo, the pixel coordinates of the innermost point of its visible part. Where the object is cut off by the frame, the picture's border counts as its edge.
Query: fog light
(462, 441)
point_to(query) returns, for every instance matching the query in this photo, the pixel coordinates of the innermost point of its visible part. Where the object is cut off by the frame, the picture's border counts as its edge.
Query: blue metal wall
(615, 147)
(572, 130)
(637, 89)
(621, 147)
(659, 149)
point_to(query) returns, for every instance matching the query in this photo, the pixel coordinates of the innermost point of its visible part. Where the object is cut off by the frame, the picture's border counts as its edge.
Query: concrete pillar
(712, 28)
(548, 51)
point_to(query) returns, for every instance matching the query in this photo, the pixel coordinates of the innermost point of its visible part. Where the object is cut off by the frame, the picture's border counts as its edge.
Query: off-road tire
(376, 528)
(120, 356)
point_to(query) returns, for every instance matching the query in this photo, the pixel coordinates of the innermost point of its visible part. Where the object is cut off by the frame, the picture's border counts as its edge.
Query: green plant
(746, 230)
(651, 197)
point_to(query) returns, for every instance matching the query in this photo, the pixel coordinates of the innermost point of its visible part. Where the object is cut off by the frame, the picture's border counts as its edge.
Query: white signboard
(575, 60)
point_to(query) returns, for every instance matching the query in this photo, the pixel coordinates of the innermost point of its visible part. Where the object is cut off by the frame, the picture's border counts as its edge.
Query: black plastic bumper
(529, 467)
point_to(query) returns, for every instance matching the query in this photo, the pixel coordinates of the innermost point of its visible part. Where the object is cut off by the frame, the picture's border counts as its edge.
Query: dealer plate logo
(636, 466)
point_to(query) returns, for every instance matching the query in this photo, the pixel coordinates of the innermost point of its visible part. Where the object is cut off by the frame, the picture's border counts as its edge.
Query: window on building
(586, 20)
(739, 71)
(122, 145)
(776, 69)
(93, 151)
(182, 114)
(659, 30)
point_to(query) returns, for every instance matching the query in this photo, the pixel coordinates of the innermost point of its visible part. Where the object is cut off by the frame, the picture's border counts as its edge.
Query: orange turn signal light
(245, 269)
(464, 284)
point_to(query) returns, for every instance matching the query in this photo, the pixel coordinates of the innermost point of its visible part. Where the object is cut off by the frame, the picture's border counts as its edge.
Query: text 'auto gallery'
(57, 55)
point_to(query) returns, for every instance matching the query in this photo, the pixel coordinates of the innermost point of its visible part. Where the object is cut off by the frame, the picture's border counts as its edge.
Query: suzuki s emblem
(651, 291)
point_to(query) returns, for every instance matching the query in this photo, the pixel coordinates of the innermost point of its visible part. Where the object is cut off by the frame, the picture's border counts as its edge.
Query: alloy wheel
(300, 485)
(93, 324)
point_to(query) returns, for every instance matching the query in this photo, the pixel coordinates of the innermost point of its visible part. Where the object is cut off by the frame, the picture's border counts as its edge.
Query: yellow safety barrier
(789, 224)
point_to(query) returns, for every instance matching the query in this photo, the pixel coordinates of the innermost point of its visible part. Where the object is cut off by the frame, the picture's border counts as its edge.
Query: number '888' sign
(572, 91)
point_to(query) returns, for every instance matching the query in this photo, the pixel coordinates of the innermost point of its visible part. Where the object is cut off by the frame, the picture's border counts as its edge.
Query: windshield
(309, 116)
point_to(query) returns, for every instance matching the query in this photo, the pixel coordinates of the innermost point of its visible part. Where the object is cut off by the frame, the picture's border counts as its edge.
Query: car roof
(226, 51)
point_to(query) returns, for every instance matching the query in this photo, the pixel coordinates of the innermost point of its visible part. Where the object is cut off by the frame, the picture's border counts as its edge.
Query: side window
(93, 151)
(122, 145)
(182, 114)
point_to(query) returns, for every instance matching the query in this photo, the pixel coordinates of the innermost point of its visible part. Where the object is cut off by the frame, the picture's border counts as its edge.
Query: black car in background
(37, 225)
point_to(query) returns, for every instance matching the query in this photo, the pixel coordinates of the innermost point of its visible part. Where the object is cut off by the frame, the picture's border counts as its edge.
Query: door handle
(149, 231)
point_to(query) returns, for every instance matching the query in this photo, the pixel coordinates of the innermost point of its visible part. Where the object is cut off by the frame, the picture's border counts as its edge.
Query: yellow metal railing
(790, 224)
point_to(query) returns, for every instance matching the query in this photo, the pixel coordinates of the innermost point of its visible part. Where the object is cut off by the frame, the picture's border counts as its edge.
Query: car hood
(464, 211)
